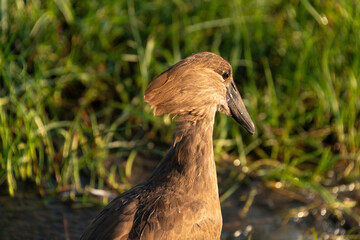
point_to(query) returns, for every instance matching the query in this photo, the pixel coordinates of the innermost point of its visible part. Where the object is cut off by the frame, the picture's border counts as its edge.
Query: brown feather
(180, 200)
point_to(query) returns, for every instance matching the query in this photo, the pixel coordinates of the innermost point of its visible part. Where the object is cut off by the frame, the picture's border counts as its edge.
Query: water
(29, 216)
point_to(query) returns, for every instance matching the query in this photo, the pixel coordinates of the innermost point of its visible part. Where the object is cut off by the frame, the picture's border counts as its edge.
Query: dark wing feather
(115, 220)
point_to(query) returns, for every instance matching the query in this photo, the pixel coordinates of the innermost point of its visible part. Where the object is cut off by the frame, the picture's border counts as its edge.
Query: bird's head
(197, 85)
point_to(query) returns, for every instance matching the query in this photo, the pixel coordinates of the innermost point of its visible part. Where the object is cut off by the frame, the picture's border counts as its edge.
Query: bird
(180, 200)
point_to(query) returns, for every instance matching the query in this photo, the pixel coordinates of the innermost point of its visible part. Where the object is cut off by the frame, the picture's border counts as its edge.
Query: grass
(72, 77)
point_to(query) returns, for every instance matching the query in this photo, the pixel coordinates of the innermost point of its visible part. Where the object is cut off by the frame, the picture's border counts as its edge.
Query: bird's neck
(190, 161)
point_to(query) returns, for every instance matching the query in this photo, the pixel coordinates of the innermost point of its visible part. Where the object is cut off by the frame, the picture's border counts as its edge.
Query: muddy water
(273, 216)
(28, 216)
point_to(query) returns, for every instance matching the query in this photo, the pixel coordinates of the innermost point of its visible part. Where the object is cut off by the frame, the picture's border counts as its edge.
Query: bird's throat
(190, 162)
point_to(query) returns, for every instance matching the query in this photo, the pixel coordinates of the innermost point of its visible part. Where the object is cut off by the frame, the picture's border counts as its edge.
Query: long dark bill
(237, 108)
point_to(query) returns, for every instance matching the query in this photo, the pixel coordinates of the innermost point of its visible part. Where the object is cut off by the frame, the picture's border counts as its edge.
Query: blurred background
(75, 131)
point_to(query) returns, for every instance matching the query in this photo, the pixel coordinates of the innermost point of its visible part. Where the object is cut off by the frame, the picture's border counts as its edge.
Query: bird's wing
(115, 221)
(151, 215)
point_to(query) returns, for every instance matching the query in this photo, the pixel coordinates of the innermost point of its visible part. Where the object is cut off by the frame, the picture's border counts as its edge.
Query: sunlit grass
(72, 77)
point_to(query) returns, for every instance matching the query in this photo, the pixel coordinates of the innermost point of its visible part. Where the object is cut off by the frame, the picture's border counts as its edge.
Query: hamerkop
(180, 200)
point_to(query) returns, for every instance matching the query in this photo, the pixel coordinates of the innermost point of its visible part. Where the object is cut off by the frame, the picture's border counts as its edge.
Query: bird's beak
(237, 108)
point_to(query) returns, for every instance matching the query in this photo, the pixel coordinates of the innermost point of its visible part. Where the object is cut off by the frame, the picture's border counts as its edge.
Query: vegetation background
(73, 74)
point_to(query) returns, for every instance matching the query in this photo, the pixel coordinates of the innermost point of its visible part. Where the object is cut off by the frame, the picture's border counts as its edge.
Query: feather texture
(180, 200)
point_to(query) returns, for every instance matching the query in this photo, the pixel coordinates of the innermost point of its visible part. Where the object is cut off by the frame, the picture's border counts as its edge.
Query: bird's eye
(225, 74)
